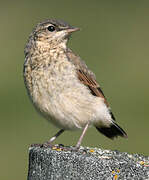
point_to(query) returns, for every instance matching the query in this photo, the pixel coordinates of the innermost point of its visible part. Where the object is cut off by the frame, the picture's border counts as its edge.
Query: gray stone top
(86, 164)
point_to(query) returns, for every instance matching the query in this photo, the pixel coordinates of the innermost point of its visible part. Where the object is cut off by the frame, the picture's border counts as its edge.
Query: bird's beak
(70, 30)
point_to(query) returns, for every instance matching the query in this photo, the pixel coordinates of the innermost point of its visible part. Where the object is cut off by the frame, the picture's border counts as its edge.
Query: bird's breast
(58, 95)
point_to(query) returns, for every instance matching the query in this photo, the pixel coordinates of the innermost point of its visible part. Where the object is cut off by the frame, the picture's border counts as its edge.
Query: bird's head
(53, 32)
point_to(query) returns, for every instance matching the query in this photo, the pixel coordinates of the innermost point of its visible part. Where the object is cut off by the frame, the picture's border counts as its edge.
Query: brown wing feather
(92, 84)
(86, 76)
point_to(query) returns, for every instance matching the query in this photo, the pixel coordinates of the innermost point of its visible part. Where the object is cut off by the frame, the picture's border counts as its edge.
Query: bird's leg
(54, 137)
(81, 137)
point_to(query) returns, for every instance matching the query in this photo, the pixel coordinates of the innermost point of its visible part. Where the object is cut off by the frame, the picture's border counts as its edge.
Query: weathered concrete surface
(87, 164)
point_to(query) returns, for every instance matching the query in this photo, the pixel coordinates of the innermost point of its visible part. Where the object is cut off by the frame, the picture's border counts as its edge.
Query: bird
(61, 86)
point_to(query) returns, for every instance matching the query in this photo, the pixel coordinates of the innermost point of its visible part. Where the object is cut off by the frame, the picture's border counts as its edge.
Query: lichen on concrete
(86, 164)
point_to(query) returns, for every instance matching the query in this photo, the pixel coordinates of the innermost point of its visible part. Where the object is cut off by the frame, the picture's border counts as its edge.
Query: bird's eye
(51, 28)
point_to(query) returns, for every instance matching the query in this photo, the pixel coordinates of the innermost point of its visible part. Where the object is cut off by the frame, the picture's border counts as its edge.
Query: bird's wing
(92, 84)
(86, 76)
(113, 130)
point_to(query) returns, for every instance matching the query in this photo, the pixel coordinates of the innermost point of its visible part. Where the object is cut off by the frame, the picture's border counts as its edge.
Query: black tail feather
(113, 131)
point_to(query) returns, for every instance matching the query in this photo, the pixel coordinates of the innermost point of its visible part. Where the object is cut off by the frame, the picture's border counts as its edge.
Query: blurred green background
(114, 42)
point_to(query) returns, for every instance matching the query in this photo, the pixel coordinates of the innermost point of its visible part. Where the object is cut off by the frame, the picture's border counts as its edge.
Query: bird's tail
(112, 131)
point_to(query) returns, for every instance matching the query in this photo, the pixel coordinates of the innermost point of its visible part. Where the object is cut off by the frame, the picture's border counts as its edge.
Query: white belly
(66, 102)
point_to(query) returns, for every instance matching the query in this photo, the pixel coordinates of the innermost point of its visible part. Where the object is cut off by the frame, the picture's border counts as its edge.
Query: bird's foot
(46, 144)
(74, 149)
(36, 145)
